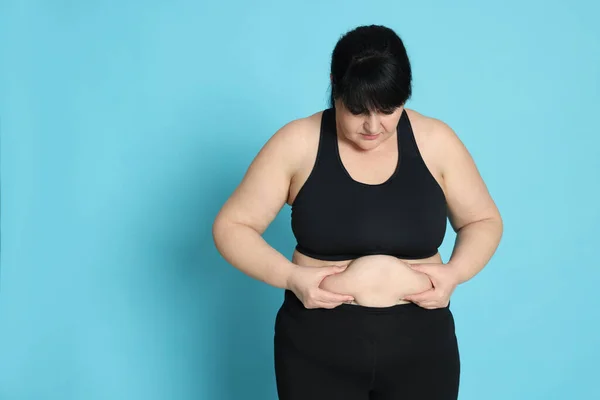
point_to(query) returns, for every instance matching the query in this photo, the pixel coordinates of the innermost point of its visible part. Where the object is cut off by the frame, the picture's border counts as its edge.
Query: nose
(372, 123)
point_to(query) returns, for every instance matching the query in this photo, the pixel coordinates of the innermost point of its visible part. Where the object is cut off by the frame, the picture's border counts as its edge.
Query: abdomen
(374, 280)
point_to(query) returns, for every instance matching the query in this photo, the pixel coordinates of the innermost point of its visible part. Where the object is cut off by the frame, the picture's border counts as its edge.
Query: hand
(305, 281)
(444, 281)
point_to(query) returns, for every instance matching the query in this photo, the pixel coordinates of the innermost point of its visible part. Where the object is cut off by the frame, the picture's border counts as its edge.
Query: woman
(371, 185)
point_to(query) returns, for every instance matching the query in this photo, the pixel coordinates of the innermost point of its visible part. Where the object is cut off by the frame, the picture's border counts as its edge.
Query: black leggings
(351, 352)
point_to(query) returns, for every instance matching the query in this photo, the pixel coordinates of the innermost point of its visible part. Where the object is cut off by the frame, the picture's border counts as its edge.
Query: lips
(370, 137)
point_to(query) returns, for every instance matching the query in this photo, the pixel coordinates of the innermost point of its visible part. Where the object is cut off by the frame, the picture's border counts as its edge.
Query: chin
(369, 143)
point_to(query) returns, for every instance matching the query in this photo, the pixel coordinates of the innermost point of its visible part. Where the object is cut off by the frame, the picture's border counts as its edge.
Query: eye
(356, 111)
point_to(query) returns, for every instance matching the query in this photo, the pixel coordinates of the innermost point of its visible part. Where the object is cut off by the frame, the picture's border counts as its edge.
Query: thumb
(418, 267)
(334, 269)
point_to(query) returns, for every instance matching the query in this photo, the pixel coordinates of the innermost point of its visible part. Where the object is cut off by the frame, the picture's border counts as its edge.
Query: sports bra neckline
(399, 149)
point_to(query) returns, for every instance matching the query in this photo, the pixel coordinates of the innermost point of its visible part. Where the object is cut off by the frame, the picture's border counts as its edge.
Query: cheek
(390, 124)
(353, 126)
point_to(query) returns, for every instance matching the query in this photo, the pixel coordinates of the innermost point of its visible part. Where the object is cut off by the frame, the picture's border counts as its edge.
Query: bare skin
(373, 281)
(283, 165)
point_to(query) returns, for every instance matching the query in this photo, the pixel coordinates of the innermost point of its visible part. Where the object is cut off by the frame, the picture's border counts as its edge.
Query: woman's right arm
(263, 191)
(239, 225)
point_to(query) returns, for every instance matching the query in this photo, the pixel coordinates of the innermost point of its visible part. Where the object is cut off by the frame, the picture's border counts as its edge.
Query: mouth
(370, 137)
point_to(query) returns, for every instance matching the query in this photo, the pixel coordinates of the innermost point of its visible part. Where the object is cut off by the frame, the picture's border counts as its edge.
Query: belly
(373, 281)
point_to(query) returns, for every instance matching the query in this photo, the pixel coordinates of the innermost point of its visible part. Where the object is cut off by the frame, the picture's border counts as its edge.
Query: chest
(369, 169)
(401, 216)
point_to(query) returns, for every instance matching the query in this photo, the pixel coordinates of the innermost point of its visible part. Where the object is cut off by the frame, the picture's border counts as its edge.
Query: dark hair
(370, 70)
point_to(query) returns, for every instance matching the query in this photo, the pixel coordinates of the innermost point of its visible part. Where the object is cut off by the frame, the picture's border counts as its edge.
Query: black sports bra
(335, 217)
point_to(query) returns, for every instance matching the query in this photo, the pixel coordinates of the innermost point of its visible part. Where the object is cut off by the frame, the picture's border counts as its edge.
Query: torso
(373, 280)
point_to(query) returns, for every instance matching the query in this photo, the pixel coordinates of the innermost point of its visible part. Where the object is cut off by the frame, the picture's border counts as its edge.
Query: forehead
(365, 112)
(368, 106)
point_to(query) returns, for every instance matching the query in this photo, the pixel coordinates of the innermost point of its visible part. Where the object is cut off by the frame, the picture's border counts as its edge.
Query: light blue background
(126, 124)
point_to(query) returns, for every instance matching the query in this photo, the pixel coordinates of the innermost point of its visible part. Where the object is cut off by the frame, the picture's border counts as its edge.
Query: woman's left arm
(472, 214)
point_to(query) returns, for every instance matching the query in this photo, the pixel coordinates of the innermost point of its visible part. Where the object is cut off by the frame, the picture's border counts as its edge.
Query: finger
(331, 297)
(434, 303)
(416, 267)
(329, 305)
(424, 268)
(421, 297)
(323, 304)
(333, 270)
(337, 299)
(428, 305)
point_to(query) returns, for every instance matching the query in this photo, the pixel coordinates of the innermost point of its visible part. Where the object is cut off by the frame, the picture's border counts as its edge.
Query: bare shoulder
(265, 186)
(435, 140)
(294, 140)
(466, 192)
(438, 142)
(306, 133)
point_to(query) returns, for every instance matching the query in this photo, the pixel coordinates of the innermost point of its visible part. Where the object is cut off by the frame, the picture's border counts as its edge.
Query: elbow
(218, 231)
(497, 220)
(224, 230)
(495, 226)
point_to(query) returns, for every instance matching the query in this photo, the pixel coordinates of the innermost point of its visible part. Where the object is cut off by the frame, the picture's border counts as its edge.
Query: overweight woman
(371, 184)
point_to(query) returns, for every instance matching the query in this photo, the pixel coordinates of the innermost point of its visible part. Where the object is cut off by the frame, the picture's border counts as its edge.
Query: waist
(374, 281)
